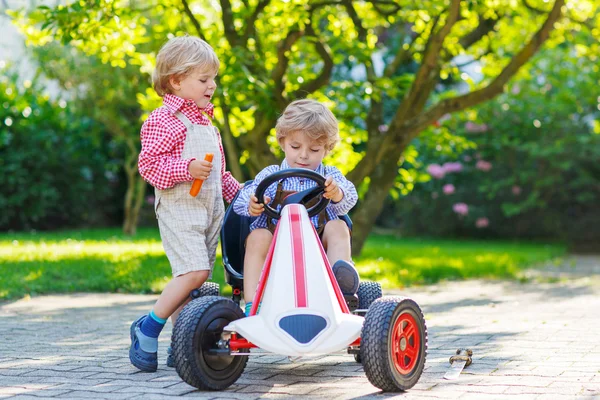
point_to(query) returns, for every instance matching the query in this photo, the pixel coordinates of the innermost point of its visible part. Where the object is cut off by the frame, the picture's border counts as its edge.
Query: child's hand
(200, 169)
(332, 190)
(255, 208)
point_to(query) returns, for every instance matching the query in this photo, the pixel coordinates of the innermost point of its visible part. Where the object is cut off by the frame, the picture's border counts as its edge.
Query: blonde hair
(312, 118)
(178, 58)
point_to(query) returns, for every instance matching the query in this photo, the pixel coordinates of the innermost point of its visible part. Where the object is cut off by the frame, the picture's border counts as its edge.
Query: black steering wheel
(303, 197)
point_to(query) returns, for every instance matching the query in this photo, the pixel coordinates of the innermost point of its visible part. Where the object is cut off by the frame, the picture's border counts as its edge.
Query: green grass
(107, 261)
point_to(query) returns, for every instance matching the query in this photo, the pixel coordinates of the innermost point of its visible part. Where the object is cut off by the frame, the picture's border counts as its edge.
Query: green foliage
(51, 169)
(364, 57)
(248, 38)
(108, 261)
(539, 138)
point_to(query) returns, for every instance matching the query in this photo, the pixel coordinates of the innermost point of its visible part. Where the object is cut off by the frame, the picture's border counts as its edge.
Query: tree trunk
(136, 188)
(255, 142)
(382, 180)
(131, 221)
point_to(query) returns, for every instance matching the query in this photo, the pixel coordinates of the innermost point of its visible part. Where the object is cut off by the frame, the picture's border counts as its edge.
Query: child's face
(302, 152)
(199, 86)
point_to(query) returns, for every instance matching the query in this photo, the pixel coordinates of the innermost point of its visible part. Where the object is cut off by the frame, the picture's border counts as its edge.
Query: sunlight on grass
(398, 262)
(103, 260)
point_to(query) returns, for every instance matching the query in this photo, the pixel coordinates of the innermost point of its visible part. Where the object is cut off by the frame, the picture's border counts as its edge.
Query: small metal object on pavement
(458, 362)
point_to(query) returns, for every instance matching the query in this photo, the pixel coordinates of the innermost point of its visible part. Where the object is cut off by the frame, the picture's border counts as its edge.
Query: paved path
(530, 341)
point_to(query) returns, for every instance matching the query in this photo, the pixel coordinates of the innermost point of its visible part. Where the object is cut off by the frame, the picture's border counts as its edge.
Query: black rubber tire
(367, 293)
(381, 354)
(198, 328)
(207, 289)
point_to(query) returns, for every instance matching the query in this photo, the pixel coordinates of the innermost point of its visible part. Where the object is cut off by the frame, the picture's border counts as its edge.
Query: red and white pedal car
(302, 310)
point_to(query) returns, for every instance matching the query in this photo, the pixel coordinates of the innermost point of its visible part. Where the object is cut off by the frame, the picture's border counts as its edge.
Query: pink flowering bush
(451, 167)
(436, 171)
(475, 128)
(448, 188)
(482, 223)
(483, 165)
(461, 209)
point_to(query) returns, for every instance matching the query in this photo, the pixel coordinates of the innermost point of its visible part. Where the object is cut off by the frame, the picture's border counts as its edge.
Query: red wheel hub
(406, 342)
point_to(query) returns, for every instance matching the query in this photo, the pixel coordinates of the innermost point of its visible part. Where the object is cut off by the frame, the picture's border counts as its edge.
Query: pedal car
(302, 310)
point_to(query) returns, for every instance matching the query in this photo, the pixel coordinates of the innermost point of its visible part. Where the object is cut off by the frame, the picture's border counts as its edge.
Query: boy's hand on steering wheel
(332, 190)
(255, 208)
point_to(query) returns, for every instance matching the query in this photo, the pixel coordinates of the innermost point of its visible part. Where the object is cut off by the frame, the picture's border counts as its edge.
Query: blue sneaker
(147, 362)
(170, 358)
(346, 276)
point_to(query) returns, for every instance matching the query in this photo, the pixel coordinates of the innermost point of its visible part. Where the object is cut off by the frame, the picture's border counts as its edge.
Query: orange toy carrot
(197, 185)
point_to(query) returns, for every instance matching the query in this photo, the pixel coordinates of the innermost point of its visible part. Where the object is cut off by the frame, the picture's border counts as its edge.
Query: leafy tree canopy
(389, 69)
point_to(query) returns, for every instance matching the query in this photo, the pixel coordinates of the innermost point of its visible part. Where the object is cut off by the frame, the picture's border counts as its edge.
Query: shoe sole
(347, 279)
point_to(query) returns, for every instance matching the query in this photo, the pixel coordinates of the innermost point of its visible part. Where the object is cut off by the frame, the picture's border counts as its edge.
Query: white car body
(301, 313)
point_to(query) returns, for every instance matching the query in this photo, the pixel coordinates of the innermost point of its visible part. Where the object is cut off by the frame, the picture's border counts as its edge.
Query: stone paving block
(82, 394)
(45, 392)
(30, 397)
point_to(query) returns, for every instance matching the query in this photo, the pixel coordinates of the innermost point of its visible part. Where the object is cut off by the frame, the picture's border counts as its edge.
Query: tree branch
(194, 21)
(362, 36)
(282, 62)
(485, 26)
(429, 64)
(228, 24)
(376, 5)
(402, 56)
(323, 78)
(458, 103)
(318, 4)
(250, 27)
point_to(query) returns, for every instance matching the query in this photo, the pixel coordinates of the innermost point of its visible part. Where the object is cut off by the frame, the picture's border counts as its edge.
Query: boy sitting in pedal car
(306, 131)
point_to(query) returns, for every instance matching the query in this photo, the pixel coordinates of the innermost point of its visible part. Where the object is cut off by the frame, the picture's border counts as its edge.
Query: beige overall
(189, 226)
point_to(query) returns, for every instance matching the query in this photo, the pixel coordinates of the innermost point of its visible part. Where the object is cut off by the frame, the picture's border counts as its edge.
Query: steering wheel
(303, 197)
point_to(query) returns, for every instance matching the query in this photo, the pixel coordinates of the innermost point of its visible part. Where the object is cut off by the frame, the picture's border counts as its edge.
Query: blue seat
(234, 232)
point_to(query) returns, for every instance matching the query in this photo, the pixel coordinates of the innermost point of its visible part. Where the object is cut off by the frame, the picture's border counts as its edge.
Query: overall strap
(188, 124)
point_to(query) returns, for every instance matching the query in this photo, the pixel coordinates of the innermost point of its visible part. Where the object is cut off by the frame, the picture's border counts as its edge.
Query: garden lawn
(104, 260)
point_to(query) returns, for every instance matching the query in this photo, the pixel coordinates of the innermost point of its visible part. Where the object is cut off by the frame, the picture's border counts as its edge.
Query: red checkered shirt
(163, 137)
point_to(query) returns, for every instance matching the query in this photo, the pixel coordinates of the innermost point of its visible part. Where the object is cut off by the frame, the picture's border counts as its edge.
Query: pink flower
(383, 128)
(448, 188)
(482, 222)
(483, 165)
(461, 208)
(467, 158)
(150, 199)
(516, 190)
(444, 118)
(475, 128)
(516, 89)
(452, 167)
(436, 171)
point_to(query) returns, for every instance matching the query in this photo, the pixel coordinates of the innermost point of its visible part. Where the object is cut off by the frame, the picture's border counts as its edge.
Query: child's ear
(175, 82)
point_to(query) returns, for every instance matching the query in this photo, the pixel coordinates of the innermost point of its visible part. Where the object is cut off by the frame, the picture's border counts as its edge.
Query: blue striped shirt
(240, 206)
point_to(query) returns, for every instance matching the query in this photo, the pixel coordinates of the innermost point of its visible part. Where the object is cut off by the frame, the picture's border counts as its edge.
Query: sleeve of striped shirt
(350, 195)
(156, 162)
(241, 204)
(229, 185)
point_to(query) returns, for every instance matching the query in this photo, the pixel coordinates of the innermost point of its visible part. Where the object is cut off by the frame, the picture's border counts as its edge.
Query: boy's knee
(196, 278)
(337, 229)
(259, 237)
